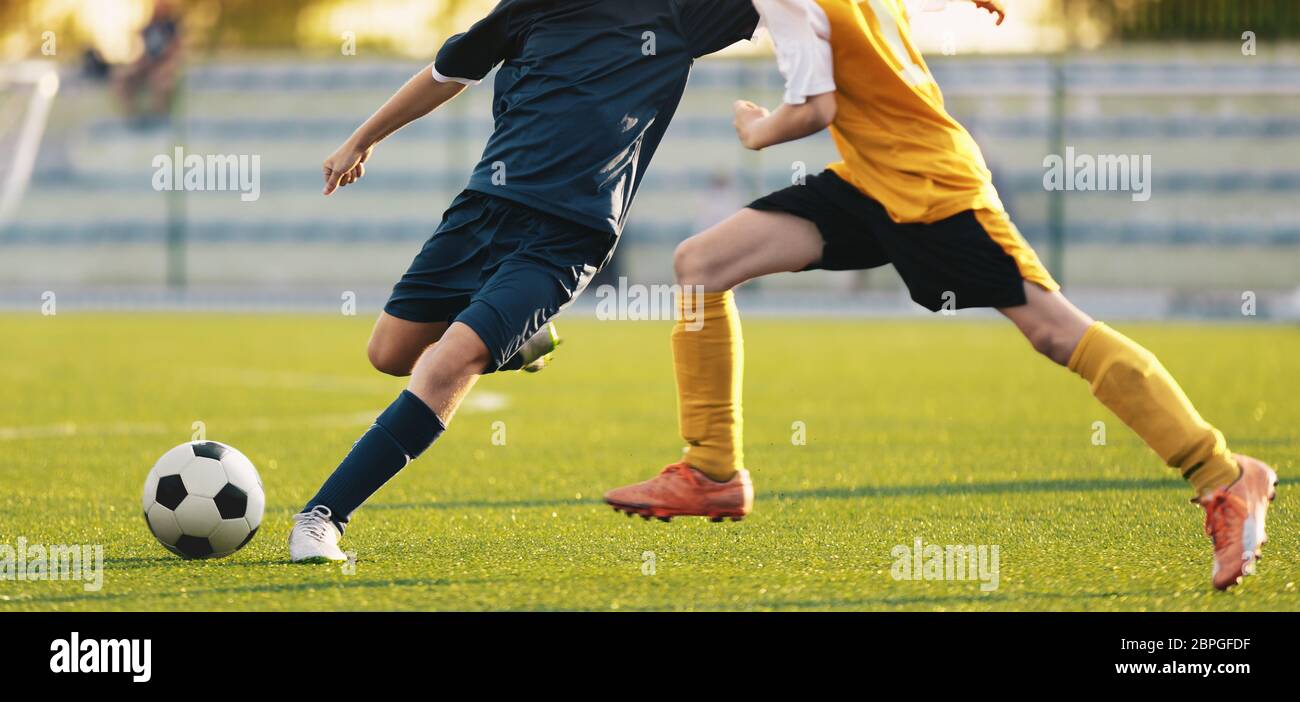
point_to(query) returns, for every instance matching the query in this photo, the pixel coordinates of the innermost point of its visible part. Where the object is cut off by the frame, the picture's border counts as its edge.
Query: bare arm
(417, 98)
(758, 129)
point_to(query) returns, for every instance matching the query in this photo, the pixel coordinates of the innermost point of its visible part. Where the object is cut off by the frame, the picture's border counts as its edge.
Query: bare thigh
(747, 245)
(396, 344)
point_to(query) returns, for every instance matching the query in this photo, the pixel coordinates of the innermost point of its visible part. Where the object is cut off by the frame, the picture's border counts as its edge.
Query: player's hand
(345, 167)
(994, 7)
(747, 113)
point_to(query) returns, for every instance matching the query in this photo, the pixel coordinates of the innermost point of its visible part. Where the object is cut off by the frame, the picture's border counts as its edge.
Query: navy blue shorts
(500, 268)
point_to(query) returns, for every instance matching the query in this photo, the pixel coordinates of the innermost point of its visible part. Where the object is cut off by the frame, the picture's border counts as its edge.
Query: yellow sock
(709, 358)
(1132, 383)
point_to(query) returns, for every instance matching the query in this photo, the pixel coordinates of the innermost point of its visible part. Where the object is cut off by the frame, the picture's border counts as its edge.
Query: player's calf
(445, 372)
(710, 481)
(1051, 324)
(1234, 490)
(401, 433)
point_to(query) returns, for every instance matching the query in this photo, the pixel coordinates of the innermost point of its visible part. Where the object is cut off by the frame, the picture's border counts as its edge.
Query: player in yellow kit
(911, 189)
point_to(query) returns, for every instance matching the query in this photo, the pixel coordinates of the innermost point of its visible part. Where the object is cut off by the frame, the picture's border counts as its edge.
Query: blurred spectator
(93, 65)
(153, 77)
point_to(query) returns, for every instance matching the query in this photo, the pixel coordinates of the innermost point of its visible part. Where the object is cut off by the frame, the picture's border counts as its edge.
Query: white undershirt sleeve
(447, 79)
(801, 33)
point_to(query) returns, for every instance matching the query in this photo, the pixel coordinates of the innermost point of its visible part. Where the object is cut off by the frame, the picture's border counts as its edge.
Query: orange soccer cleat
(682, 491)
(1234, 520)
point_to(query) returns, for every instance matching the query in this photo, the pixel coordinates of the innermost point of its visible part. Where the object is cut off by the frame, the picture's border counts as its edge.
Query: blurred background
(93, 91)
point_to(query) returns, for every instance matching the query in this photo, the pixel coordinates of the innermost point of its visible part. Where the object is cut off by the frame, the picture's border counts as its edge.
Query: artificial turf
(950, 430)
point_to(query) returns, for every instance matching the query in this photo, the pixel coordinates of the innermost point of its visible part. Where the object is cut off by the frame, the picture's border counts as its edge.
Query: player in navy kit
(583, 95)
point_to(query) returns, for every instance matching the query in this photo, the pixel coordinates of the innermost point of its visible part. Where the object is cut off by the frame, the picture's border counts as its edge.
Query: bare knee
(387, 358)
(687, 266)
(396, 344)
(693, 264)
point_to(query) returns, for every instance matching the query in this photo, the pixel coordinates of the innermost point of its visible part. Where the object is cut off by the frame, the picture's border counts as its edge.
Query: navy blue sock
(400, 434)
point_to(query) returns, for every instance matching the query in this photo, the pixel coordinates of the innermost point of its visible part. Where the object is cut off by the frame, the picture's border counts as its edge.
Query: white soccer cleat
(314, 538)
(537, 351)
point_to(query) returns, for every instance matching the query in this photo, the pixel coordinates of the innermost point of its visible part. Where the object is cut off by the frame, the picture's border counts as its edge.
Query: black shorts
(971, 259)
(500, 268)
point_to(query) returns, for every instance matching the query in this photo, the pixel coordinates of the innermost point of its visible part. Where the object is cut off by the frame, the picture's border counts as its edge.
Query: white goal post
(30, 87)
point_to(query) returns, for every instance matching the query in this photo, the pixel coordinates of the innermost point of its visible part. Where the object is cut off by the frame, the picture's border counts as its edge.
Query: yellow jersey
(897, 142)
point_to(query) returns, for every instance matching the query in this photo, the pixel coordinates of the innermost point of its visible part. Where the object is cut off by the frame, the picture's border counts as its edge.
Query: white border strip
(446, 79)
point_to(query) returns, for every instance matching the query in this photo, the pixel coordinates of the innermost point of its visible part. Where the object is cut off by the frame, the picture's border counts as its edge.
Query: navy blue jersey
(584, 94)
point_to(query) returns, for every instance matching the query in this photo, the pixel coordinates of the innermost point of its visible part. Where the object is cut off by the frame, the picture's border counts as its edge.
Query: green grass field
(949, 430)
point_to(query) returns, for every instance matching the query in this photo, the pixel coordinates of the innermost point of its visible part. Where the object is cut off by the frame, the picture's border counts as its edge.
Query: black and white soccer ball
(203, 499)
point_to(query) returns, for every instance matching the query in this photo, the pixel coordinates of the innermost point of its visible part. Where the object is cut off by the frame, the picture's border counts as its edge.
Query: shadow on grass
(1009, 487)
(930, 601)
(836, 493)
(907, 603)
(346, 583)
(140, 563)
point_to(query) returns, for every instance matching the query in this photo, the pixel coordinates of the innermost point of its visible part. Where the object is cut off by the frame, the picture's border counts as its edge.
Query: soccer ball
(203, 499)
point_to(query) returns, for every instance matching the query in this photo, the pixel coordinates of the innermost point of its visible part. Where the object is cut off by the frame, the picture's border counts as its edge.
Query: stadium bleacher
(1222, 131)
